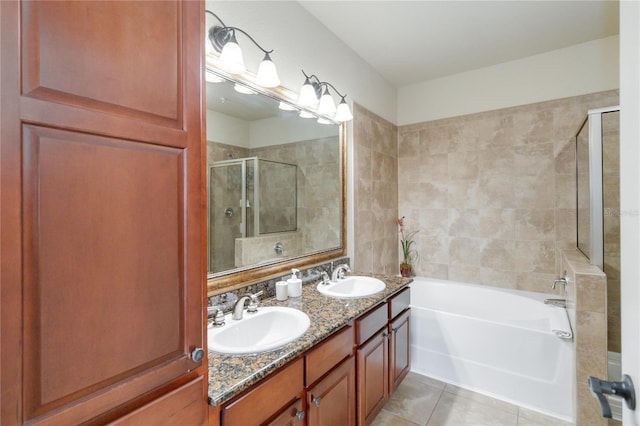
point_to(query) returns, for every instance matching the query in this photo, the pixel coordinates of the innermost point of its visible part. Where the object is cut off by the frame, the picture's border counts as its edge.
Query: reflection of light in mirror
(243, 89)
(212, 78)
(306, 114)
(286, 107)
(323, 120)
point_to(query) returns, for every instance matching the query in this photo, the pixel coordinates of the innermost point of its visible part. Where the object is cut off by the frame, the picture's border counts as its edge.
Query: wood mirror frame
(236, 278)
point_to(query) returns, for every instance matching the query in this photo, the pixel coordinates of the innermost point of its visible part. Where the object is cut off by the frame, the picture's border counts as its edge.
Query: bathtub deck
(424, 401)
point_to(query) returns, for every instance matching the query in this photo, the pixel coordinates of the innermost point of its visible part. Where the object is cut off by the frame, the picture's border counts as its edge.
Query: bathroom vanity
(341, 371)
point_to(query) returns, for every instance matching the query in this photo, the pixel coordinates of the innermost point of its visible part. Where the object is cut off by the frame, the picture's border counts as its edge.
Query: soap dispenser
(294, 284)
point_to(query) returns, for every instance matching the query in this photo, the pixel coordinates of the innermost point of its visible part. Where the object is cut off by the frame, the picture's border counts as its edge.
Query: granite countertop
(231, 374)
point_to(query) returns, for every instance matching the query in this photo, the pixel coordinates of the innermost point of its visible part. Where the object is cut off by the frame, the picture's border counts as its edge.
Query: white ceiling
(413, 41)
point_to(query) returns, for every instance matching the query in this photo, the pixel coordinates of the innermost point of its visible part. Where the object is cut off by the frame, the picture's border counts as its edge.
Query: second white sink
(270, 328)
(352, 286)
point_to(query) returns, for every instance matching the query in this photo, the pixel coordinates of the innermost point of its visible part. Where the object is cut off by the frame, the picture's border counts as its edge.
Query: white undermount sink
(270, 328)
(352, 286)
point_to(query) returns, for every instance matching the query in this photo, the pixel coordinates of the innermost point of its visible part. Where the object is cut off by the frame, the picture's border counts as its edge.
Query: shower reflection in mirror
(274, 180)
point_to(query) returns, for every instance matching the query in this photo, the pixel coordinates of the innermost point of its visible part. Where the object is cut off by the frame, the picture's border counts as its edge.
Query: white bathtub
(503, 343)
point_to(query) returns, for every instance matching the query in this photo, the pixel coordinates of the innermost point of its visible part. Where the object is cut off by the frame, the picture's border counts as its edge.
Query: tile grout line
(435, 406)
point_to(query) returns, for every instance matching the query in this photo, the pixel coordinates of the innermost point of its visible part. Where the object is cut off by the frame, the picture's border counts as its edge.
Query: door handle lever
(624, 389)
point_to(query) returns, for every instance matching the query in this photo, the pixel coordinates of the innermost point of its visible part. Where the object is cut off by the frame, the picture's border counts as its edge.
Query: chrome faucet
(339, 272)
(562, 303)
(239, 305)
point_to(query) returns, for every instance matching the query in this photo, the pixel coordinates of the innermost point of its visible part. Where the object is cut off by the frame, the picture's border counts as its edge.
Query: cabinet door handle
(197, 354)
(395, 330)
(300, 415)
(385, 334)
(316, 401)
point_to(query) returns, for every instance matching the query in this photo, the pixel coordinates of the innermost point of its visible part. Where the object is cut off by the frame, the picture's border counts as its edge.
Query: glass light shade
(231, 59)
(267, 74)
(327, 106)
(307, 94)
(322, 120)
(306, 114)
(343, 113)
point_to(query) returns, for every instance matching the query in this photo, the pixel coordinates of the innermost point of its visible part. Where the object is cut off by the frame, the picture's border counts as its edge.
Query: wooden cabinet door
(332, 401)
(399, 350)
(373, 376)
(101, 205)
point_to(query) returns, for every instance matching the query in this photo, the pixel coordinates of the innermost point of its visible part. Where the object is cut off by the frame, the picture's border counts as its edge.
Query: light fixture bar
(223, 40)
(314, 91)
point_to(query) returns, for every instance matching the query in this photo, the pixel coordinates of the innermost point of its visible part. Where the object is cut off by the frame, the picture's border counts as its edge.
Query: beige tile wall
(587, 295)
(375, 198)
(611, 202)
(319, 188)
(493, 193)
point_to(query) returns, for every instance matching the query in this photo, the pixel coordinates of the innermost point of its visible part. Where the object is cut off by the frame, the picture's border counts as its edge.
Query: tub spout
(556, 302)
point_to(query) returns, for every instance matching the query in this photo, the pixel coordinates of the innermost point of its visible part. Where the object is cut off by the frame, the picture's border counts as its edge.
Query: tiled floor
(424, 401)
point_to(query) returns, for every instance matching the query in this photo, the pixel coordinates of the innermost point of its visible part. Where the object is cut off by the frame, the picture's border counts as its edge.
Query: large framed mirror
(276, 189)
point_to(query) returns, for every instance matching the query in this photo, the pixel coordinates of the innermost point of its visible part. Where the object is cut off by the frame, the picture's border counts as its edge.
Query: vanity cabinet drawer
(182, 406)
(328, 354)
(399, 303)
(267, 398)
(370, 323)
(291, 416)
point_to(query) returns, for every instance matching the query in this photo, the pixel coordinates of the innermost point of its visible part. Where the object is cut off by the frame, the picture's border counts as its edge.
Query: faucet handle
(253, 305)
(215, 316)
(342, 270)
(562, 281)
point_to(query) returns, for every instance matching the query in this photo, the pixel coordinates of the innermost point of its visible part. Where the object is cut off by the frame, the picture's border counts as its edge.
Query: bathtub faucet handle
(562, 281)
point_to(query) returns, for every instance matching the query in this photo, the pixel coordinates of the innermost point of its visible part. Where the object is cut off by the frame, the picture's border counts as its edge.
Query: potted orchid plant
(409, 254)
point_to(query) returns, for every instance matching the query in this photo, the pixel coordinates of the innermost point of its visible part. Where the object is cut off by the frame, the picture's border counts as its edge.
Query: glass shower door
(226, 213)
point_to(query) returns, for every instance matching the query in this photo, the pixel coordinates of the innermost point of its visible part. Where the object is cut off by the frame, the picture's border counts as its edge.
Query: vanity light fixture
(315, 92)
(223, 39)
(306, 114)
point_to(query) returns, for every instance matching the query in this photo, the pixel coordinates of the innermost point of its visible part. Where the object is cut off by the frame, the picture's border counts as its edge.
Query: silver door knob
(316, 401)
(624, 389)
(300, 415)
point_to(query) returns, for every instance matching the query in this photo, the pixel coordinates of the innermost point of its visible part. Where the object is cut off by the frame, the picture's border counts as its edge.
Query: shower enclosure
(598, 203)
(248, 197)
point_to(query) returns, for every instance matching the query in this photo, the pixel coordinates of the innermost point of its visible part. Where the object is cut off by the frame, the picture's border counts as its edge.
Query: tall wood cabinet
(102, 280)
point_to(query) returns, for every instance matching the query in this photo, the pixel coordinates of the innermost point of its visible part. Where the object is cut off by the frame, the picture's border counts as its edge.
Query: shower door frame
(243, 195)
(596, 203)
